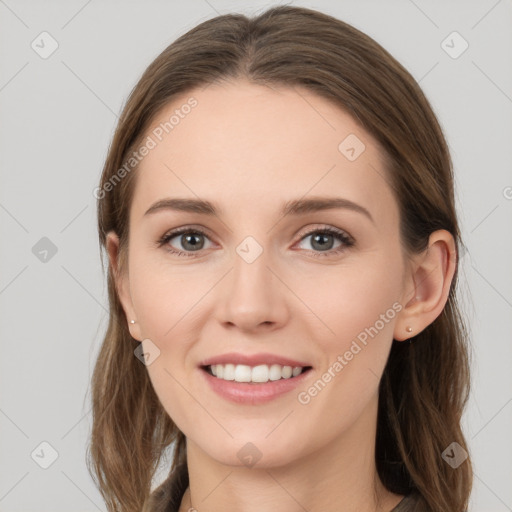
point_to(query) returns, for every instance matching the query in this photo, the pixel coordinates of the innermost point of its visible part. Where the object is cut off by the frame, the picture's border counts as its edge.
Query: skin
(250, 148)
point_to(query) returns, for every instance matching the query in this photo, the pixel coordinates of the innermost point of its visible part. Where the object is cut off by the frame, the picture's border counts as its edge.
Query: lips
(253, 360)
(252, 393)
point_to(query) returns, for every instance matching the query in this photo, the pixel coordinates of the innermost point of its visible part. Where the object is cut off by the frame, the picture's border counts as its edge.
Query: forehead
(254, 147)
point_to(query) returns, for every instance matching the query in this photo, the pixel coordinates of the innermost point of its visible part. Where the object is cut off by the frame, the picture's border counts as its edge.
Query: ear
(122, 283)
(427, 286)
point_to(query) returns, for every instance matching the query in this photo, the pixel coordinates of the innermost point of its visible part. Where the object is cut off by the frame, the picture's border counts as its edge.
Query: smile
(254, 374)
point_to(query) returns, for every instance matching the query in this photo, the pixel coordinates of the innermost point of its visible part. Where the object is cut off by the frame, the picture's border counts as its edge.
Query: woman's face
(257, 282)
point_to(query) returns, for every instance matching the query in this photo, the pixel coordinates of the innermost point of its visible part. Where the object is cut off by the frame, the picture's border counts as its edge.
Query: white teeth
(229, 372)
(296, 371)
(261, 373)
(242, 373)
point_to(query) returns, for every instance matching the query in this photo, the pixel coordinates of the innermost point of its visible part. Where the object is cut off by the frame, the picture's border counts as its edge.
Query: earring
(408, 328)
(132, 321)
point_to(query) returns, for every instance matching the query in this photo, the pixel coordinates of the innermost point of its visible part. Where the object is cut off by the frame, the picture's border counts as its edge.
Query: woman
(277, 207)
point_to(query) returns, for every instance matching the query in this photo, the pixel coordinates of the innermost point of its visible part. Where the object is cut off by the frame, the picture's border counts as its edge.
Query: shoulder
(167, 496)
(412, 502)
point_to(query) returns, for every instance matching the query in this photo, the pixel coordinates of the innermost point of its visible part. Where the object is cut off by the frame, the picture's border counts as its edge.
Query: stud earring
(408, 328)
(132, 321)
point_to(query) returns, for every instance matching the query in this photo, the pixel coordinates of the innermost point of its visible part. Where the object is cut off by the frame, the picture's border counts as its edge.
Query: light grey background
(57, 118)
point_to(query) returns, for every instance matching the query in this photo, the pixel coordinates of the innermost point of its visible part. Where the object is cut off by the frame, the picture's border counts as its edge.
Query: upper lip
(252, 360)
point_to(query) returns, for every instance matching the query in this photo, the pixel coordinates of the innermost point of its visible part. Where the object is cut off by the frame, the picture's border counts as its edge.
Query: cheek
(163, 306)
(345, 301)
(357, 311)
(163, 296)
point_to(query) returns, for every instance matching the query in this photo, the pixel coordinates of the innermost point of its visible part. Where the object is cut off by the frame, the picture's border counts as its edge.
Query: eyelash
(346, 240)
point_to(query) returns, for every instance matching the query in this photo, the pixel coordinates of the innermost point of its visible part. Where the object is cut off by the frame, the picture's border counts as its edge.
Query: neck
(341, 476)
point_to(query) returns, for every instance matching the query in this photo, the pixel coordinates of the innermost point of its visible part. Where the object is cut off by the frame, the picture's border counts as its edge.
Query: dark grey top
(168, 495)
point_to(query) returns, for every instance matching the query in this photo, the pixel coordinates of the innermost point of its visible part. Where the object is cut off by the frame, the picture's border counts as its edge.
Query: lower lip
(253, 393)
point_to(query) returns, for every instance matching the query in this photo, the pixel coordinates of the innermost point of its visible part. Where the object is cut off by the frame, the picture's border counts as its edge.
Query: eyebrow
(294, 207)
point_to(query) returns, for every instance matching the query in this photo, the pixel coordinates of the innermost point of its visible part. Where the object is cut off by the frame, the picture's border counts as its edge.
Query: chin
(254, 451)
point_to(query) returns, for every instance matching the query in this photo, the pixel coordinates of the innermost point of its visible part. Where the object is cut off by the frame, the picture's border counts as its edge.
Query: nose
(253, 297)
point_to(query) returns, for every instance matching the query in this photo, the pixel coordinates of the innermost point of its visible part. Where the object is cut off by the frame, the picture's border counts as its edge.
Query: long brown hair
(425, 384)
